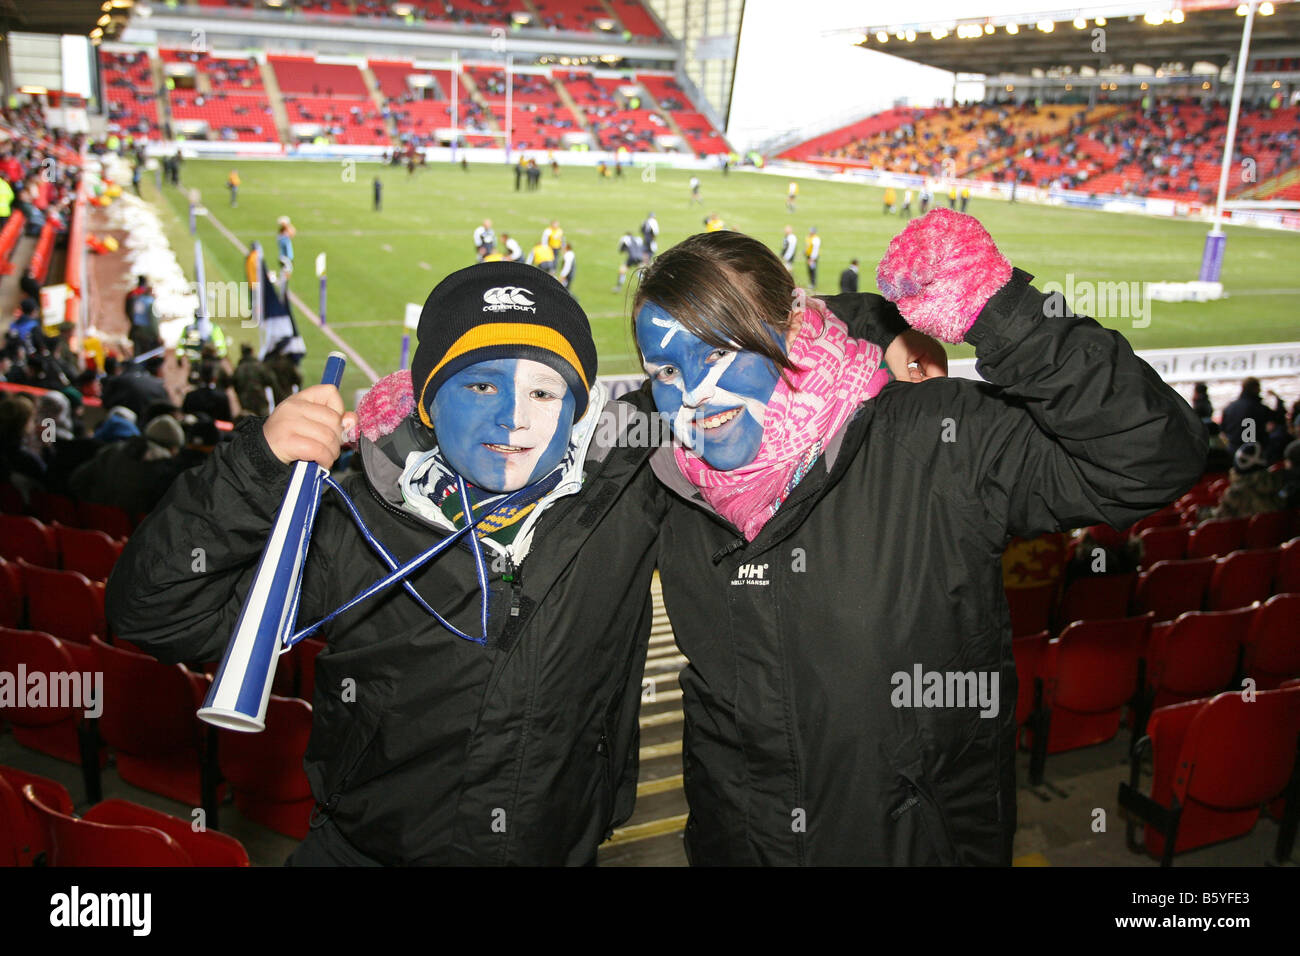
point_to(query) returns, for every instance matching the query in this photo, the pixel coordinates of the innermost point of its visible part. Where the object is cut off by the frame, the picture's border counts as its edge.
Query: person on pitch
(509, 734)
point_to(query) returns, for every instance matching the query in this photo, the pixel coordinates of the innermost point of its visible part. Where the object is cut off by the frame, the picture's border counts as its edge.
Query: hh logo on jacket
(751, 574)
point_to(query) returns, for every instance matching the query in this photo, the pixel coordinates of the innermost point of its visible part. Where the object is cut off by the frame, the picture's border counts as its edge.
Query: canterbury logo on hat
(501, 310)
(506, 297)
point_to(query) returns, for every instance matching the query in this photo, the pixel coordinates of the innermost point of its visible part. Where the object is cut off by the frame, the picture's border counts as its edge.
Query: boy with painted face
(851, 534)
(507, 735)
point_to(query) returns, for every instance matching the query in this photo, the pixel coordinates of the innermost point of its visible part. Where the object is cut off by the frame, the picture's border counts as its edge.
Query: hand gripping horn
(242, 688)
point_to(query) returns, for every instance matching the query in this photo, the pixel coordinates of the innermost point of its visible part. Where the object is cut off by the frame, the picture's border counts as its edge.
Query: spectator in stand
(29, 286)
(26, 325)
(1252, 488)
(71, 447)
(64, 353)
(251, 381)
(1247, 418)
(138, 307)
(118, 425)
(6, 200)
(18, 465)
(133, 474)
(1289, 495)
(1201, 401)
(137, 387)
(207, 399)
(284, 373)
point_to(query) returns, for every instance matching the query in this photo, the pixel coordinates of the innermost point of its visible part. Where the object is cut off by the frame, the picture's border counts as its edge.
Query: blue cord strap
(402, 572)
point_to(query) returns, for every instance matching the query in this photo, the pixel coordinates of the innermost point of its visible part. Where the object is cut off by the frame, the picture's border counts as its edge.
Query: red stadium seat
(11, 594)
(1217, 537)
(1031, 608)
(51, 730)
(111, 520)
(204, 847)
(1100, 597)
(1241, 579)
(52, 508)
(12, 501)
(75, 842)
(23, 840)
(1206, 491)
(66, 604)
(265, 769)
(1195, 656)
(308, 648)
(1028, 653)
(29, 539)
(1090, 673)
(1163, 544)
(1267, 530)
(1215, 763)
(1166, 517)
(1273, 642)
(149, 720)
(91, 553)
(1171, 588)
(1288, 568)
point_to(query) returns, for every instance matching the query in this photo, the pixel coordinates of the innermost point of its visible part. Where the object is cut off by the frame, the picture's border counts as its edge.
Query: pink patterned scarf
(834, 375)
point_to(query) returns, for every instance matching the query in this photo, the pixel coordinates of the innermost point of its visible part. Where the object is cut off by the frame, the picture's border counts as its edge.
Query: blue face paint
(714, 398)
(505, 423)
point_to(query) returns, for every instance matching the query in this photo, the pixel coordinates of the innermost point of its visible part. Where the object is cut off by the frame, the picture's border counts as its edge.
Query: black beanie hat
(501, 310)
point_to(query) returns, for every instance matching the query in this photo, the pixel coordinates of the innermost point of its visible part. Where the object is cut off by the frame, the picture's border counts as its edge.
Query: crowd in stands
(143, 440)
(130, 96)
(958, 139)
(1157, 148)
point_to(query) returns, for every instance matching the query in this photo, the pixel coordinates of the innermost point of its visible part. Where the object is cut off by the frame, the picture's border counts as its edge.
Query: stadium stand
(1170, 151)
(129, 94)
(304, 75)
(628, 18)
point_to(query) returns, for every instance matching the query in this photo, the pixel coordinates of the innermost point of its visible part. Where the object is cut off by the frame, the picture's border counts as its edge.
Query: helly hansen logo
(506, 297)
(752, 574)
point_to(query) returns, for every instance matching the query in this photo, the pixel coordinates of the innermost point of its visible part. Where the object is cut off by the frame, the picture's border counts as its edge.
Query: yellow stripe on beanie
(492, 334)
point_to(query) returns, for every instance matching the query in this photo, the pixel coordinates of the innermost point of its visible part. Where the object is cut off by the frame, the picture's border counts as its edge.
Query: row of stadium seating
(129, 93)
(579, 16)
(147, 720)
(1165, 590)
(620, 112)
(38, 827)
(1171, 151)
(1210, 694)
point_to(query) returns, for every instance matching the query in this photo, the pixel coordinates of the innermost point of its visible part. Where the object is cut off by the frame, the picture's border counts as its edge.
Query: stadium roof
(61, 16)
(1186, 32)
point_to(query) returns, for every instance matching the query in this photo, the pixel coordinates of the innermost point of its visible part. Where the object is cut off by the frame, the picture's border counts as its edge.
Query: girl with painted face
(504, 729)
(830, 561)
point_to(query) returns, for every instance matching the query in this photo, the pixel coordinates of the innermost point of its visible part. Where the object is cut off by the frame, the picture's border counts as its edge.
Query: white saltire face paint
(716, 399)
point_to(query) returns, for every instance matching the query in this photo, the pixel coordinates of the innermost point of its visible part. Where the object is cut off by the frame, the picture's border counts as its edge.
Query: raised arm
(1079, 429)
(179, 585)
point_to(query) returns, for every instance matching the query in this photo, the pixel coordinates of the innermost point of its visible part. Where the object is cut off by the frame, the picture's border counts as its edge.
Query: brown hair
(724, 287)
(16, 413)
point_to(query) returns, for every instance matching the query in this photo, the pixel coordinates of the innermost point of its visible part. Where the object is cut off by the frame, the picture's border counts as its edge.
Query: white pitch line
(330, 334)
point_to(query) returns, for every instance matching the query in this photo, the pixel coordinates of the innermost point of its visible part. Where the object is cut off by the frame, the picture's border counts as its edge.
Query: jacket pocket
(343, 764)
(604, 751)
(920, 833)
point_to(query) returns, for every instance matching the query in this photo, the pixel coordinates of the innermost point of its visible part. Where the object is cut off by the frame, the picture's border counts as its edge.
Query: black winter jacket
(523, 751)
(884, 560)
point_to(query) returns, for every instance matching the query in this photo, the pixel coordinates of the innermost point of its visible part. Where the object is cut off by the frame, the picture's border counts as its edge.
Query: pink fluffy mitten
(940, 271)
(389, 400)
